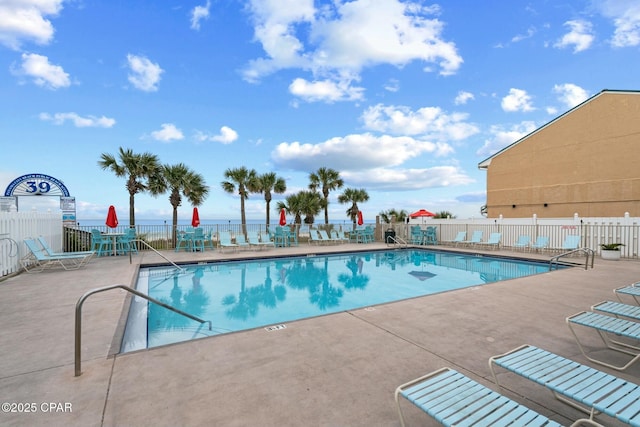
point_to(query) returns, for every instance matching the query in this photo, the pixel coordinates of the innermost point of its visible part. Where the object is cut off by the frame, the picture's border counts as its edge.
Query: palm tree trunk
(132, 210)
(243, 219)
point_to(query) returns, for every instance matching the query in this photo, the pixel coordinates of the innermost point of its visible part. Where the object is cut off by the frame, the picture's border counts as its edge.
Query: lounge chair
(336, 237)
(541, 243)
(571, 242)
(493, 242)
(618, 309)
(343, 237)
(633, 290)
(325, 237)
(265, 239)
(606, 326)
(460, 237)
(254, 240)
(453, 399)
(522, 243)
(314, 237)
(47, 249)
(225, 241)
(37, 260)
(241, 241)
(476, 238)
(581, 386)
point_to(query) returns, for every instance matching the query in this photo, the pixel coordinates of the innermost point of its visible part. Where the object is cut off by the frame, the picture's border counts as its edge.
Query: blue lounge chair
(336, 237)
(632, 290)
(523, 242)
(325, 237)
(255, 241)
(581, 386)
(51, 252)
(265, 239)
(541, 243)
(460, 237)
(241, 241)
(225, 241)
(476, 238)
(453, 399)
(606, 326)
(314, 237)
(571, 242)
(493, 242)
(37, 260)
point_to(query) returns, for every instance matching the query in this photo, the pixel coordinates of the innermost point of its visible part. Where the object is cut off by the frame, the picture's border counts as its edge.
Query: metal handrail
(154, 250)
(78, 336)
(396, 241)
(588, 251)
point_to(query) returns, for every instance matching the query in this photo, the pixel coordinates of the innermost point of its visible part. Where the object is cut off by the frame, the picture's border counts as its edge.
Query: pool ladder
(78, 336)
(154, 250)
(395, 240)
(590, 253)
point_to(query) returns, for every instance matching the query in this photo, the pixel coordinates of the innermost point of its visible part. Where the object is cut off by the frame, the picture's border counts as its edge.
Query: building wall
(586, 162)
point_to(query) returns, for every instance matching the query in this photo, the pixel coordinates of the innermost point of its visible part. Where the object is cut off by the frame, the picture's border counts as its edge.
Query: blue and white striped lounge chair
(583, 387)
(606, 326)
(453, 399)
(632, 290)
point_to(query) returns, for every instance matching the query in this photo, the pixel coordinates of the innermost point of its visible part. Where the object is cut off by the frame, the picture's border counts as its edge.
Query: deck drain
(275, 328)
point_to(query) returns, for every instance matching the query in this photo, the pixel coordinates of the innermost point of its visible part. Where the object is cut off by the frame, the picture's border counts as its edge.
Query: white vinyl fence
(17, 226)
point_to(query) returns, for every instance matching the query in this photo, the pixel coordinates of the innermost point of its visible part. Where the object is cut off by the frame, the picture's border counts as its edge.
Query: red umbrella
(421, 213)
(360, 220)
(283, 217)
(195, 219)
(112, 218)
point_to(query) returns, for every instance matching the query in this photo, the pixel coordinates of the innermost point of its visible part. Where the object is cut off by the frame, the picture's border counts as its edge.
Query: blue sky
(404, 98)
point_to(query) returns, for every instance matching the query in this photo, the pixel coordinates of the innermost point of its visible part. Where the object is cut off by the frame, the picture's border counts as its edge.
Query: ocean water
(125, 221)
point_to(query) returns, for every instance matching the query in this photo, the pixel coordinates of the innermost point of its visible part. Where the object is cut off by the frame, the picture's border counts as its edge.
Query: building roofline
(486, 162)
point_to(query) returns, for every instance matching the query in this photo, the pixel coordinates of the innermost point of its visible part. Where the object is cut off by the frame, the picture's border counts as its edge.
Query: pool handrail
(78, 328)
(590, 253)
(396, 240)
(154, 250)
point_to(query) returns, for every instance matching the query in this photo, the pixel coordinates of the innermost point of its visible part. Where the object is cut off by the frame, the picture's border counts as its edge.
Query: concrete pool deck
(336, 370)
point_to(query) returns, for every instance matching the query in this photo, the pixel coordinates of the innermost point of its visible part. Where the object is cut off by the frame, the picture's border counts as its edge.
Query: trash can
(390, 236)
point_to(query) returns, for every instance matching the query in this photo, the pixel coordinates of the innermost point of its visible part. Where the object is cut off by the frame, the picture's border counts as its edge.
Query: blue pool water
(242, 295)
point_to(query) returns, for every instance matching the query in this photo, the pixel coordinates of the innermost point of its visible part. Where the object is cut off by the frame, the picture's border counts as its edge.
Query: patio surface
(336, 370)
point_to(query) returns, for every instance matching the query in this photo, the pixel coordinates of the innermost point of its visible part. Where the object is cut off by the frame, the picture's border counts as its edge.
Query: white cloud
(431, 122)
(463, 97)
(407, 179)
(168, 133)
(44, 74)
(25, 20)
(325, 90)
(580, 36)
(199, 13)
(517, 100)
(226, 136)
(393, 85)
(530, 33)
(355, 152)
(570, 94)
(626, 19)
(503, 137)
(77, 120)
(144, 74)
(345, 37)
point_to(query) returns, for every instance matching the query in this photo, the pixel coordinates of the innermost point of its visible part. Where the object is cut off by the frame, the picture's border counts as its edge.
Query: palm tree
(267, 183)
(240, 180)
(292, 206)
(401, 215)
(303, 203)
(139, 170)
(180, 181)
(326, 179)
(353, 196)
(444, 214)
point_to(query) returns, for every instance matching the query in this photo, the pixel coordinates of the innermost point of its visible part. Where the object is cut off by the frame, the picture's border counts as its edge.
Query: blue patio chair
(430, 236)
(416, 235)
(125, 243)
(197, 239)
(281, 237)
(183, 239)
(100, 244)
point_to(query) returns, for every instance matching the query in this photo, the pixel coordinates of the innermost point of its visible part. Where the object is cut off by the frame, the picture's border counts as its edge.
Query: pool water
(240, 295)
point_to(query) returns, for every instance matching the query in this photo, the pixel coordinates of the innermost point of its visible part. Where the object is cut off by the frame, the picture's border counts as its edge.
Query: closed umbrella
(195, 218)
(112, 218)
(283, 217)
(360, 219)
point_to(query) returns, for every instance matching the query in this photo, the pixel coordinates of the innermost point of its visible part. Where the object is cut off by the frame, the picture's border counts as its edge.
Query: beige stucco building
(586, 161)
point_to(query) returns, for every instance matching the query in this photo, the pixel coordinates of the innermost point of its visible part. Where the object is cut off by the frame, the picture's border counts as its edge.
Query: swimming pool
(241, 295)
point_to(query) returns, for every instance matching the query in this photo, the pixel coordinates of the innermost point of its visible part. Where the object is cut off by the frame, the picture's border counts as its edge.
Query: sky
(403, 98)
